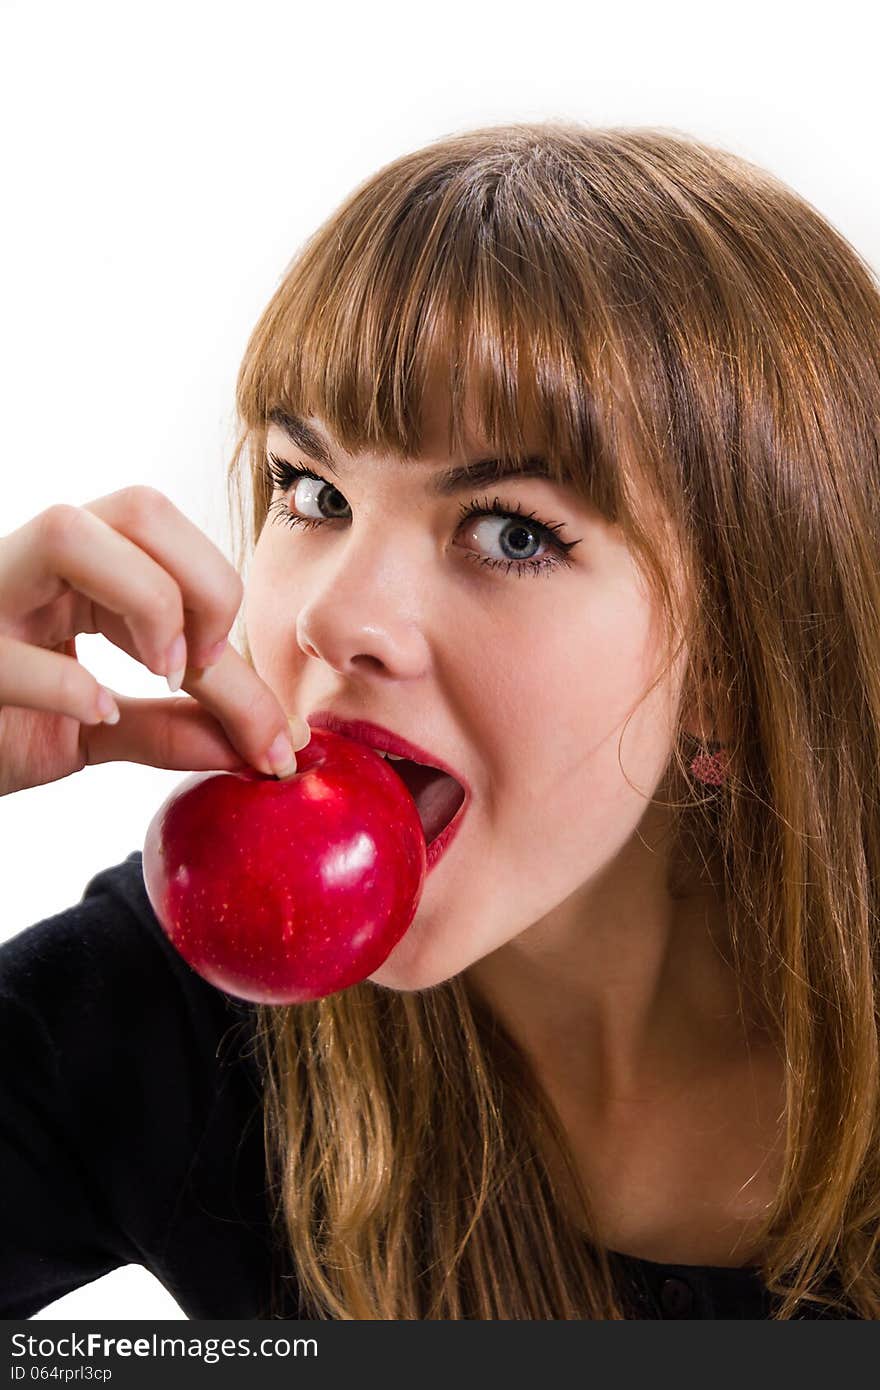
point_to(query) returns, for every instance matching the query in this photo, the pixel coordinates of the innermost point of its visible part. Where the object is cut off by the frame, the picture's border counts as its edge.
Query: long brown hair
(700, 350)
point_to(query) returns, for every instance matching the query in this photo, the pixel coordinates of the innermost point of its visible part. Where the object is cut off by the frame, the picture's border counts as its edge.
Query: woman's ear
(712, 723)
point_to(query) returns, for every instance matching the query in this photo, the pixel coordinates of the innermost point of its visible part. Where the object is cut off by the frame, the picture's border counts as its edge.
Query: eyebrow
(478, 473)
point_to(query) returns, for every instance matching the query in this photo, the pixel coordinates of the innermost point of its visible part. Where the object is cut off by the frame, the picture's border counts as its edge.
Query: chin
(407, 970)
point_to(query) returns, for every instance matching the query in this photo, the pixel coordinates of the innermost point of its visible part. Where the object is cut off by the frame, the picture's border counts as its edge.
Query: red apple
(279, 892)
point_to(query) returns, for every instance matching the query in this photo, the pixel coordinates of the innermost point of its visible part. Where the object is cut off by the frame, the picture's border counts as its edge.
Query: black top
(131, 1128)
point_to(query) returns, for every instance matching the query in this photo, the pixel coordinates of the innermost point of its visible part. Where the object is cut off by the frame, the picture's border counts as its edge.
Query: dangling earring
(711, 768)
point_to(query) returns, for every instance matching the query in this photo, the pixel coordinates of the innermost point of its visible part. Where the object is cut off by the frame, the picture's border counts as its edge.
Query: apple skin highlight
(282, 892)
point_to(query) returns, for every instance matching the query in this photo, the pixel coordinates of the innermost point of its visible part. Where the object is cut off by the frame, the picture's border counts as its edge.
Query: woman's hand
(133, 567)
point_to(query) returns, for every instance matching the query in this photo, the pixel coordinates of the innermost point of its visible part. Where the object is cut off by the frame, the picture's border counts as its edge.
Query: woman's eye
(510, 539)
(513, 540)
(316, 502)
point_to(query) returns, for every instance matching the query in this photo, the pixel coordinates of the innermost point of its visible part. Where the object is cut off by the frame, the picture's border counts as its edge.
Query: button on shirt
(677, 1298)
(689, 1291)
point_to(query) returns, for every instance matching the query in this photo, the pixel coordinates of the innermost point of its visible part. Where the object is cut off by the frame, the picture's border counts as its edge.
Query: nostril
(372, 662)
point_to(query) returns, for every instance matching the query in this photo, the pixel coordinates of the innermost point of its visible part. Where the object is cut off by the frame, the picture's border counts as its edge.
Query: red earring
(711, 768)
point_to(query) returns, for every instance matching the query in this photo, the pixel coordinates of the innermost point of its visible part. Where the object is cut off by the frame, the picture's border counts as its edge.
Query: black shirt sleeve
(130, 1114)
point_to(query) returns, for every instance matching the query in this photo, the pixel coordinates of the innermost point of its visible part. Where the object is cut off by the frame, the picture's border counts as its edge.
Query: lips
(438, 791)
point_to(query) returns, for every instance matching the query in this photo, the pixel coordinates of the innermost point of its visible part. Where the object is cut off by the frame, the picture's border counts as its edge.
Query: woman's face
(522, 681)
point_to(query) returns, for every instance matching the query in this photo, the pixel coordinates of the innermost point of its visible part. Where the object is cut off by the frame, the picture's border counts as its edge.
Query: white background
(161, 165)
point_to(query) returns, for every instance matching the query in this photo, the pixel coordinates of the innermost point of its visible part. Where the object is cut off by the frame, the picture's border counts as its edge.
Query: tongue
(437, 796)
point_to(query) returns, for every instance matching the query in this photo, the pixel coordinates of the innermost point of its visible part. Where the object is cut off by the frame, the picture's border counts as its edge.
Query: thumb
(170, 733)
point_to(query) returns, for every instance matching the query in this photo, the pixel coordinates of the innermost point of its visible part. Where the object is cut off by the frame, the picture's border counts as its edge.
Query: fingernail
(175, 660)
(175, 680)
(107, 707)
(300, 733)
(281, 757)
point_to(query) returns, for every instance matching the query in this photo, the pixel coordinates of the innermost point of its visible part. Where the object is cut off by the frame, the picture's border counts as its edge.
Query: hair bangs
(444, 293)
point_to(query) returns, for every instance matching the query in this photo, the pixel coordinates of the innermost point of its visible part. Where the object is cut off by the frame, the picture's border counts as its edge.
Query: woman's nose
(368, 610)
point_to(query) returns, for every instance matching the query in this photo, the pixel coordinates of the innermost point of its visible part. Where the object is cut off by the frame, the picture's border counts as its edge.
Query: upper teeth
(395, 757)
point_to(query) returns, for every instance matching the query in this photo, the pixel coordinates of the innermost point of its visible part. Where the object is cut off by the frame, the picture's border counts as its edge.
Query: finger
(34, 678)
(250, 713)
(210, 587)
(70, 548)
(163, 732)
(246, 707)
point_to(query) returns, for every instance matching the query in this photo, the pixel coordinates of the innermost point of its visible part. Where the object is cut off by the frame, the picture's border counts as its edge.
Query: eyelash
(283, 476)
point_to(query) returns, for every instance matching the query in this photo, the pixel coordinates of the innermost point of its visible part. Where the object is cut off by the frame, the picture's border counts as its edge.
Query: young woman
(559, 456)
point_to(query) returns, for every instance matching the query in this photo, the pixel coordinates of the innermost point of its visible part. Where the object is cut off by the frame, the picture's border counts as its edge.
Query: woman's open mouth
(438, 796)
